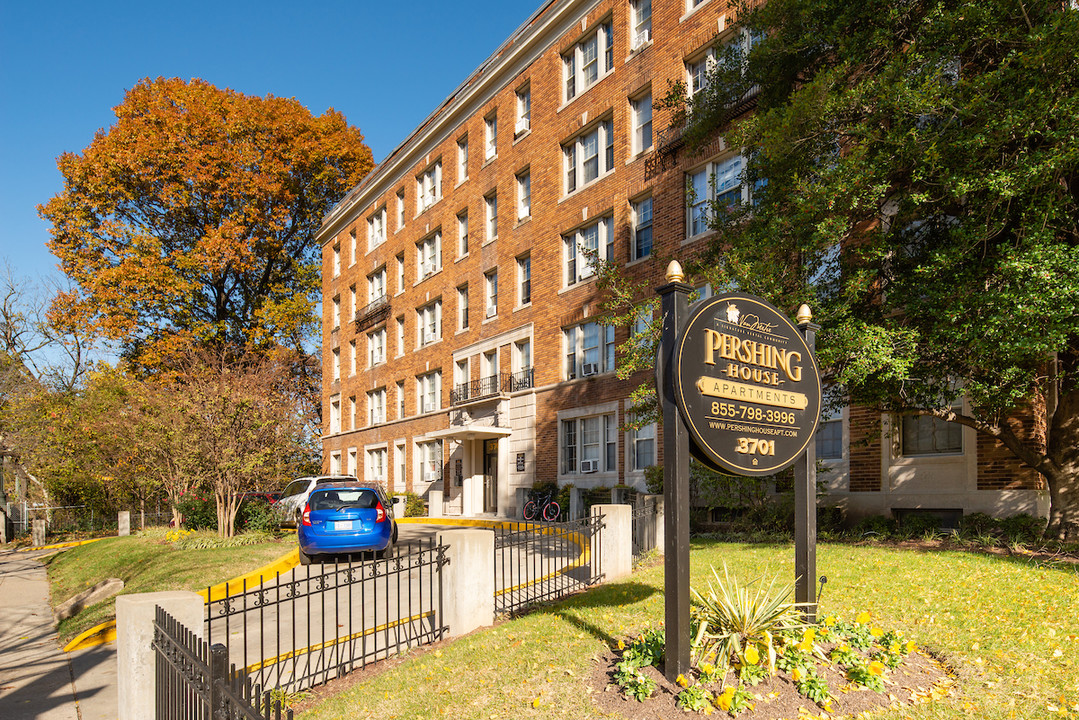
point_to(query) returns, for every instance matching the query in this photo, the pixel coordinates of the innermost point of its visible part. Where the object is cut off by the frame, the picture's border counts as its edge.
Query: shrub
(979, 524)
(875, 525)
(653, 479)
(414, 505)
(256, 515)
(199, 511)
(1022, 528)
(916, 525)
(829, 519)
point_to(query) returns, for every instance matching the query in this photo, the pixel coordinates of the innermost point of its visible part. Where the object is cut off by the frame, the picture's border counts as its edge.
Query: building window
(335, 462)
(376, 229)
(462, 234)
(642, 447)
(352, 357)
(400, 398)
(352, 460)
(490, 136)
(642, 124)
(336, 360)
(461, 377)
(717, 184)
(462, 307)
(522, 355)
(428, 256)
(376, 285)
(376, 347)
(400, 209)
(429, 187)
(490, 286)
(353, 243)
(928, 435)
(429, 392)
(352, 412)
(589, 156)
(462, 159)
(524, 195)
(401, 273)
(524, 111)
(376, 406)
(589, 349)
(583, 247)
(589, 60)
(734, 51)
(336, 312)
(830, 437)
(524, 280)
(335, 414)
(429, 323)
(590, 444)
(399, 479)
(400, 336)
(641, 21)
(491, 204)
(697, 71)
(642, 229)
(353, 301)
(376, 466)
(430, 455)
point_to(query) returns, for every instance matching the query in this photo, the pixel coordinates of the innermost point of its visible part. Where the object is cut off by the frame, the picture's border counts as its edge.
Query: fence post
(575, 503)
(656, 502)
(38, 533)
(135, 661)
(219, 671)
(468, 580)
(123, 523)
(615, 541)
(434, 503)
(521, 495)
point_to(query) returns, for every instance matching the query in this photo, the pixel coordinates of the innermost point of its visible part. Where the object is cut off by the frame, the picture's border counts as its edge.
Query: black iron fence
(537, 562)
(645, 517)
(318, 622)
(195, 681)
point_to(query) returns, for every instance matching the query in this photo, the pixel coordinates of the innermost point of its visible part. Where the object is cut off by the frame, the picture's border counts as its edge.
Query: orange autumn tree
(190, 222)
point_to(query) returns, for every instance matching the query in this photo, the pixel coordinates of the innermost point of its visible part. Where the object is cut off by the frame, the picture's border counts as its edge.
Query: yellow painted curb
(63, 545)
(97, 635)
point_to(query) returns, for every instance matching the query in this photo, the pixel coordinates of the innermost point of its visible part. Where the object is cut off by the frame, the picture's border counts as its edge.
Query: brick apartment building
(461, 342)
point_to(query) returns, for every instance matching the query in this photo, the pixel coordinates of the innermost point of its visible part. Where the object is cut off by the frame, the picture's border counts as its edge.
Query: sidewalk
(38, 681)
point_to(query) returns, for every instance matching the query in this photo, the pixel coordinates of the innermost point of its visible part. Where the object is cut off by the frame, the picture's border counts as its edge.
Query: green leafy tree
(916, 181)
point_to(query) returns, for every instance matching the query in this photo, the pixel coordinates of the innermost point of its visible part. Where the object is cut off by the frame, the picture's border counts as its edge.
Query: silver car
(293, 498)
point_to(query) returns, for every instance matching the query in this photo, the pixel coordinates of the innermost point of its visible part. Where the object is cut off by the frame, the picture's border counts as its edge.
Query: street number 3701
(753, 446)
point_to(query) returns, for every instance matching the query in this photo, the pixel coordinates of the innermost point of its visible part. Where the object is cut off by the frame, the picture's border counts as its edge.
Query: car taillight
(307, 515)
(381, 516)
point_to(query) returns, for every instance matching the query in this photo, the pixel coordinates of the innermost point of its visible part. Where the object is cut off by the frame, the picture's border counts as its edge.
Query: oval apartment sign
(747, 386)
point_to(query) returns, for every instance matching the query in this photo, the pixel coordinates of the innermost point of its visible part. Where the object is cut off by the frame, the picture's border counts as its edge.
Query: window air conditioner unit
(428, 406)
(522, 125)
(641, 38)
(492, 310)
(432, 476)
(589, 369)
(589, 466)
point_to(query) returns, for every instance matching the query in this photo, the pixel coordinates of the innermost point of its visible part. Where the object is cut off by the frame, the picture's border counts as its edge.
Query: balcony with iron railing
(491, 386)
(375, 312)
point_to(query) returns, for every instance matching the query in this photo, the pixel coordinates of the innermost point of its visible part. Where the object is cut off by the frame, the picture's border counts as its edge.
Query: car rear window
(335, 499)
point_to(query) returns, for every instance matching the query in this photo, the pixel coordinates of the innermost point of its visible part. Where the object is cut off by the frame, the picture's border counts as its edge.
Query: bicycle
(546, 507)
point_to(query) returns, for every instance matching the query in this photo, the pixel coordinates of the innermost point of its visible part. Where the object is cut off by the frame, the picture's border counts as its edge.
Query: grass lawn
(1008, 628)
(147, 563)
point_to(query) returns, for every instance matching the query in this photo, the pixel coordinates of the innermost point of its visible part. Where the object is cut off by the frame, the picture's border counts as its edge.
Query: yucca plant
(731, 618)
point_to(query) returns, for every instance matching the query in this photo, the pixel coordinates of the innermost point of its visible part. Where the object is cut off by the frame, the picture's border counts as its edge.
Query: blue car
(342, 518)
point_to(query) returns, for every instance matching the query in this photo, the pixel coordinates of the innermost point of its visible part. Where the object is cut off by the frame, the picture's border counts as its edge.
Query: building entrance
(490, 476)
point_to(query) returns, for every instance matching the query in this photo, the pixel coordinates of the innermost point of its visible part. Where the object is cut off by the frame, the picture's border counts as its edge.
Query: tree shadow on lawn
(605, 596)
(1065, 562)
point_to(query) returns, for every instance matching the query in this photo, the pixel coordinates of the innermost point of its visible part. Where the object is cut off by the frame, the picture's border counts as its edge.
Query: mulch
(776, 698)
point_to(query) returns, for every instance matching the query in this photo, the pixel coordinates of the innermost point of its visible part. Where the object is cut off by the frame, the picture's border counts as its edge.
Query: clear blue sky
(65, 65)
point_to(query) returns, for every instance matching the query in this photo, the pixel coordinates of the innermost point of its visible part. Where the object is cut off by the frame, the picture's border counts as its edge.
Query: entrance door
(490, 476)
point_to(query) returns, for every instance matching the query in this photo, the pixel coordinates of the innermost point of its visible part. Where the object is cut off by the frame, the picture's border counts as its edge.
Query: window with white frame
(353, 243)
(429, 187)
(376, 347)
(640, 22)
(462, 307)
(352, 352)
(582, 247)
(336, 360)
(642, 123)
(642, 447)
(524, 194)
(588, 156)
(429, 392)
(430, 459)
(376, 229)
(429, 323)
(491, 204)
(336, 319)
(399, 479)
(353, 301)
(352, 412)
(462, 159)
(589, 444)
(524, 280)
(830, 435)
(336, 260)
(490, 136)
(400, 273)
(490, 292)
(376, 285)
(642, 320)
(376, 466)
(400, 335)
(429, 256)
(641, 246)
(462, 233)
(376, 407)
(335, 462)
(928, 435)
(716, 184)
(400, 398)
(335, 414)
(461, 375)
(697, 71)
(589, 349)
(589, 60)
(489, 364)
(522, 355)
(735, 50)
(352, 462)
(524, 111)
(690, 4)
(400, 208)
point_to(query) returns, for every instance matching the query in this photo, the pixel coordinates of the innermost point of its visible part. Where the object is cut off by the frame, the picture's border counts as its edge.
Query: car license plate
(342, 525)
